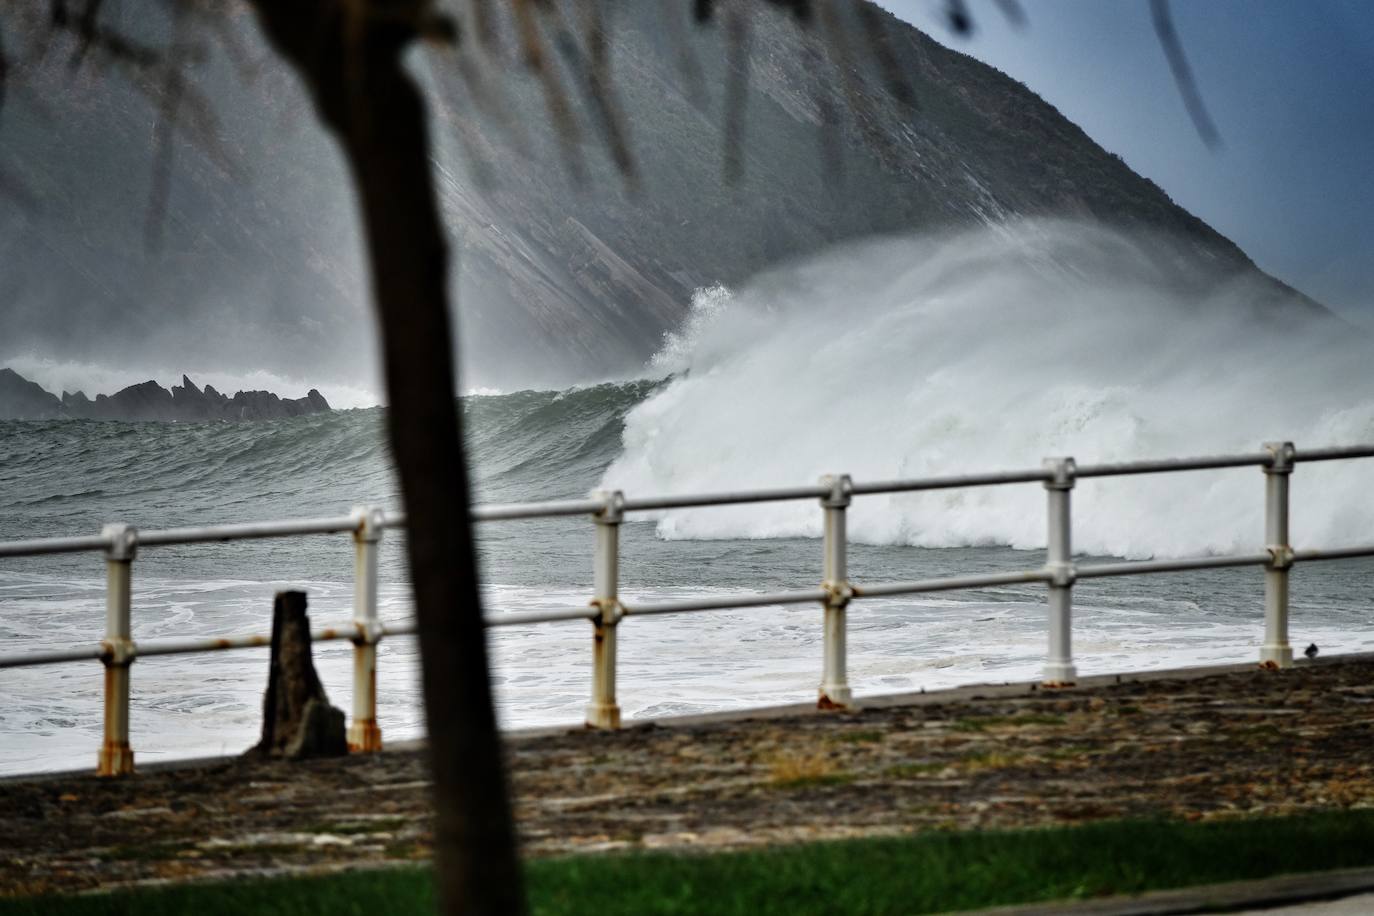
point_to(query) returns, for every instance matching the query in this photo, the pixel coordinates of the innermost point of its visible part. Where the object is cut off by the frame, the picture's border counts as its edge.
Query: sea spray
(929, 366)
(924, 356)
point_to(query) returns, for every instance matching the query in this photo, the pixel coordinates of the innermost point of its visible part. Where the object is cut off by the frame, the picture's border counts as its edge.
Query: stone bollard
(297, 720)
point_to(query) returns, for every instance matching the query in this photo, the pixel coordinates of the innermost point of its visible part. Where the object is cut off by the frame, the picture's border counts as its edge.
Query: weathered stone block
(297, 720)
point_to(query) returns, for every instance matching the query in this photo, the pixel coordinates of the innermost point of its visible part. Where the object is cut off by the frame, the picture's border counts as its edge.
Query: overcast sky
(1289, 83)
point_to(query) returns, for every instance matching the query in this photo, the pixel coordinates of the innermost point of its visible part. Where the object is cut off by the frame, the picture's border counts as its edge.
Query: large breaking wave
(994, 349)
(66, 477)
(895, 359)
(898, 358)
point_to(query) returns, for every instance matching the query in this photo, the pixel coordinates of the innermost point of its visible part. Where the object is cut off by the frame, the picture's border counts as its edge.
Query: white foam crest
(921, 356)
(709, 303)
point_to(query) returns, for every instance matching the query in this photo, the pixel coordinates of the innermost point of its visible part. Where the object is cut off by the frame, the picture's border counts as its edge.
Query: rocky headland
(21, 399)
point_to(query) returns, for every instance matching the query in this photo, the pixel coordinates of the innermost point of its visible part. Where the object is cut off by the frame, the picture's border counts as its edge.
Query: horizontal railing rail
(606, 609)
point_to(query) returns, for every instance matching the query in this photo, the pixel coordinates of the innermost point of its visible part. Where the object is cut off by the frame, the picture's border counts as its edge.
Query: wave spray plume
(989, 350)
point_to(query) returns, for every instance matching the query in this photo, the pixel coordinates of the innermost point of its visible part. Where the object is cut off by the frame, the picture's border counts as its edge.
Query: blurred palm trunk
(349, 55)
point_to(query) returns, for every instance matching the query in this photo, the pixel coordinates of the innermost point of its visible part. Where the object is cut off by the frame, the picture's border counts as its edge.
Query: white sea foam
(902, 358)
(675, 355)
(211, 704)
(924, 356)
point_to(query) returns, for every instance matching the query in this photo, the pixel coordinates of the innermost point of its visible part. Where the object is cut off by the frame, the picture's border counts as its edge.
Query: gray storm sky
(1289, 84)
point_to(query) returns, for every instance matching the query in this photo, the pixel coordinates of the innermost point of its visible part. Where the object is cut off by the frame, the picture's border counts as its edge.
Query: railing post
(1059, 669)
(116, 757)
(603, 711)
(834, 690)
(1276, 652)
(363, 733)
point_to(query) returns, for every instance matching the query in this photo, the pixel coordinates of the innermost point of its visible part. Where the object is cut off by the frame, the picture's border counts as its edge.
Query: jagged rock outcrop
(78, 406)
(187, 398)
(213, 397)
(144, 401)
(21, 399)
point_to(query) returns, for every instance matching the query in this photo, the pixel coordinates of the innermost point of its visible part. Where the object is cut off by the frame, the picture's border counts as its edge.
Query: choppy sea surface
(883, 363)
(71, 477)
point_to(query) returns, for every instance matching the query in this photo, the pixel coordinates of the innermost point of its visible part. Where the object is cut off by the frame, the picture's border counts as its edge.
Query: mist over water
(992, 350)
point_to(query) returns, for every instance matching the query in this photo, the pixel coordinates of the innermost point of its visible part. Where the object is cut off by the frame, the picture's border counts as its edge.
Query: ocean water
(898, 359)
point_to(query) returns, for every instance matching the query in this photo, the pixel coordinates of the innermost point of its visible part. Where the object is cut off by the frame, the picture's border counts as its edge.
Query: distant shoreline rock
(21, 399)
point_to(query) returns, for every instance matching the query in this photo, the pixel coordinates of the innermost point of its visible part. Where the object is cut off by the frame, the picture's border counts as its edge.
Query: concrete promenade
(1195, 744)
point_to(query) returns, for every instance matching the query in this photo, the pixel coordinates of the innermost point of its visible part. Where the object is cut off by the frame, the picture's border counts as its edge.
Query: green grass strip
(930, 872)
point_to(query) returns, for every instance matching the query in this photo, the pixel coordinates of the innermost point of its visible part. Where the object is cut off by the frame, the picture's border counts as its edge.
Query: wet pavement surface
(1243, 743)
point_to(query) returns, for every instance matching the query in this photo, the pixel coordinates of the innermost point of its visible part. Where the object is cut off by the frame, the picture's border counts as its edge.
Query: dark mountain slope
(560, 278)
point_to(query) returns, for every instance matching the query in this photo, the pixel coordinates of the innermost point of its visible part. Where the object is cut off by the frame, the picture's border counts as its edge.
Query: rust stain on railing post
(834, 690)
(116, 757)
(363, 734)
(603, 711)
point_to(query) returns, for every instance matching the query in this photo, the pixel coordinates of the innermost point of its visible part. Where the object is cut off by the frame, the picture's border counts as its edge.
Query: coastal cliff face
(563, 273)
(21, 399)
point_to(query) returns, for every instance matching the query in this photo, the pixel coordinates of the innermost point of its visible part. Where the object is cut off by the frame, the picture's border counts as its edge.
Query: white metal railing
(120, 544)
